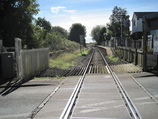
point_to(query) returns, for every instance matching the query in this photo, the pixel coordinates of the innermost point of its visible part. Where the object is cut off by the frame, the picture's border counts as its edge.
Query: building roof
(152, 16)
(141, 14)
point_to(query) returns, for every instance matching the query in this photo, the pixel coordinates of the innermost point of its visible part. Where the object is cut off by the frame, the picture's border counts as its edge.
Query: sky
(89, 13)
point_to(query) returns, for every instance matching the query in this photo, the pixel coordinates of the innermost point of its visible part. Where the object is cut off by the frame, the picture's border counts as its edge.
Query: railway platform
(100, 98)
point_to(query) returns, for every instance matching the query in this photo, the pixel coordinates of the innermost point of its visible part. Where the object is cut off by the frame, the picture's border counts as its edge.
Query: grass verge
(113, 58)
(66, 60)
(85, 52)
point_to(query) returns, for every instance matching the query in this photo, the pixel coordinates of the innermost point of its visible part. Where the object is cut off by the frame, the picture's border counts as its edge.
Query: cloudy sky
(89, 12)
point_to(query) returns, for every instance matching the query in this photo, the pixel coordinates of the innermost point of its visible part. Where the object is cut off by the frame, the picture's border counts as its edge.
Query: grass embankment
(66, 59)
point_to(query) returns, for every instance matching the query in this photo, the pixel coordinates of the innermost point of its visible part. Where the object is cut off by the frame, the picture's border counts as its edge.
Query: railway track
(91, 66)
(97, 66)
(95, 63)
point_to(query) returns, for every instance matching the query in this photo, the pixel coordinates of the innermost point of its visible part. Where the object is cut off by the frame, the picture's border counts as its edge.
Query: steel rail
(133, 110)
(71, 102)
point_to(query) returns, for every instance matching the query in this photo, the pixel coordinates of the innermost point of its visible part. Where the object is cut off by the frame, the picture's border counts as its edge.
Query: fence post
(129, 55)
(18, 49)
(136, 56)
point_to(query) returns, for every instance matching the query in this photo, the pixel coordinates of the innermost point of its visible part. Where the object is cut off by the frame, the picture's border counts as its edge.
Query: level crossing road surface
(98, 98)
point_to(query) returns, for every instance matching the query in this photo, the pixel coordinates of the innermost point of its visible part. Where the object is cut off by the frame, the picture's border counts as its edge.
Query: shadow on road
(10, 86)
(147, 74)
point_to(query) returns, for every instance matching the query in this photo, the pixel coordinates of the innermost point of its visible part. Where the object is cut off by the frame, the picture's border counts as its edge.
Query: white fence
(30, 62)
(34, 61)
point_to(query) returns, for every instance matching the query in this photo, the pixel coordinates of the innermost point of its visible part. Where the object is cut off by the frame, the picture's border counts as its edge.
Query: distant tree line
(101, 33)
(17, 20)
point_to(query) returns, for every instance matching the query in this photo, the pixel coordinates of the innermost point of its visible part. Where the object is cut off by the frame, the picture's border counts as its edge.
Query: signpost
(82, 41)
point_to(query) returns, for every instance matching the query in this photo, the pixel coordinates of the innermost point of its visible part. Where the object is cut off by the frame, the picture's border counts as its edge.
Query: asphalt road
(19, 103)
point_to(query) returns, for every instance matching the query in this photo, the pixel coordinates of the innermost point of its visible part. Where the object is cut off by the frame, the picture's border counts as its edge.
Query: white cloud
(70, 11)
(56, 9)
(64, 9)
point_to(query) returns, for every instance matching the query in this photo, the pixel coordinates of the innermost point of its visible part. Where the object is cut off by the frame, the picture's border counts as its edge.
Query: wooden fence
(135, 56)
(131, 55)
(30, 62)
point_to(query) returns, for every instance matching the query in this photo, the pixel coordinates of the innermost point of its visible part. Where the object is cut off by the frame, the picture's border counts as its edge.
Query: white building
(137, 22)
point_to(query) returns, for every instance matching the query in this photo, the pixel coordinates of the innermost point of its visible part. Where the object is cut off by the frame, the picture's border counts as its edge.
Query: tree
(45, 25)
(15, 20)
(97, 33)
(102, 33)
(114, 29)
(38, 34)
(61, 31)
(42, 22)
(119, 15)
(76, 30)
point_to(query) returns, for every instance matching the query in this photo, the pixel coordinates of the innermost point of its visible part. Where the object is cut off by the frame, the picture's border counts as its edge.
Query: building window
(134, 23)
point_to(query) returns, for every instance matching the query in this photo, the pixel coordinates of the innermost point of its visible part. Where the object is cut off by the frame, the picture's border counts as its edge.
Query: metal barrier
(30, 62)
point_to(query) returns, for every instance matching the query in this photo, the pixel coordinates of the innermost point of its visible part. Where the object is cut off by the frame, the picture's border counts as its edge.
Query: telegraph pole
(145, 37)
